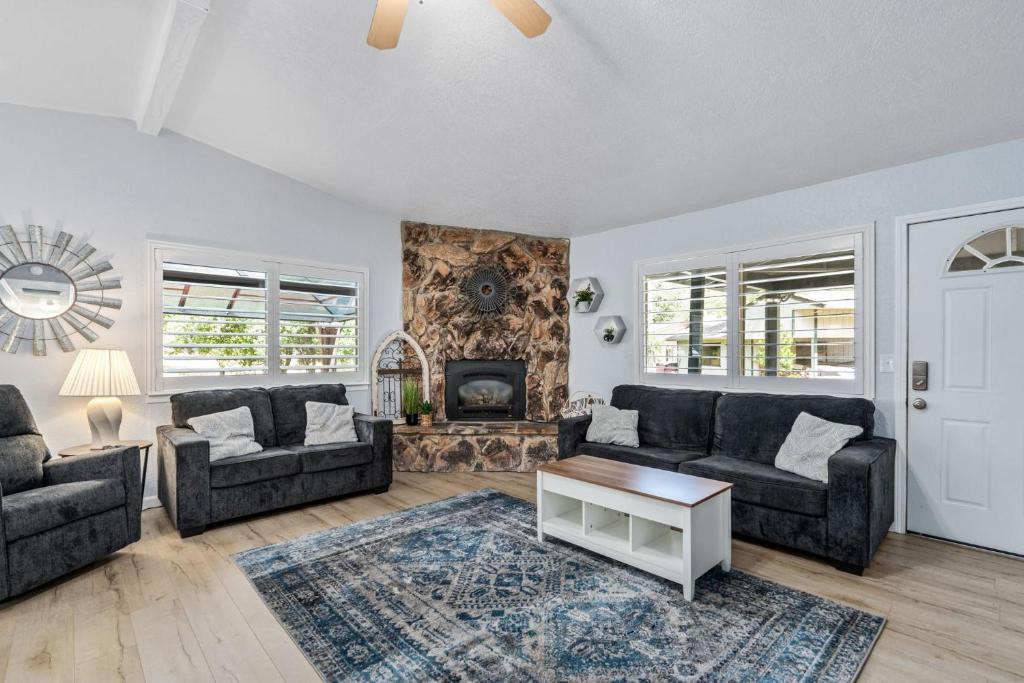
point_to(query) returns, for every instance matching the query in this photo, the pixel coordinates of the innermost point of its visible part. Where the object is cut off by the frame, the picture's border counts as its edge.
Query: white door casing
(965, 446)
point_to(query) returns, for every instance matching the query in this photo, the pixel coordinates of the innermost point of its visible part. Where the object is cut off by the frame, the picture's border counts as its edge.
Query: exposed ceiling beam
(178, 35)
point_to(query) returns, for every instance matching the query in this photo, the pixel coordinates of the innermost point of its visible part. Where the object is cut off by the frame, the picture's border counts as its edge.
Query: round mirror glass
(36, 290)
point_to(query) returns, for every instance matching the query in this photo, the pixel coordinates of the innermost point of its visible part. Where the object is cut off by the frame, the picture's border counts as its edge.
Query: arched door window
(999, 248)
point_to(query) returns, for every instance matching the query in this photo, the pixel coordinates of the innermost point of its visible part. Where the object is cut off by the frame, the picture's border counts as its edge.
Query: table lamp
(104, 374)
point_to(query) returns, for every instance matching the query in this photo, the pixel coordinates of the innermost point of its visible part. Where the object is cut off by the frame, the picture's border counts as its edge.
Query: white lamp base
(104, 421)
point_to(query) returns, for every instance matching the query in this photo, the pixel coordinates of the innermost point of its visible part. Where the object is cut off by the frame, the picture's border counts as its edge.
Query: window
(226, 319)
(999, 248)
(779, 317)
(684, 312)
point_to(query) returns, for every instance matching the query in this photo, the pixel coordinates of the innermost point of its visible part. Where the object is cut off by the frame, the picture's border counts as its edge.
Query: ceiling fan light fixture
(386, 26)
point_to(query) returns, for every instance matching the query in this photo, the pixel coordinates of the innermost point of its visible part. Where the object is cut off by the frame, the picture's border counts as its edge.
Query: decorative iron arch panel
(384, 386)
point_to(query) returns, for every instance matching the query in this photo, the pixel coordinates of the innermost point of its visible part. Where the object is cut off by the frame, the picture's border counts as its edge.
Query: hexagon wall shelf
(610, 329)
(580, 284)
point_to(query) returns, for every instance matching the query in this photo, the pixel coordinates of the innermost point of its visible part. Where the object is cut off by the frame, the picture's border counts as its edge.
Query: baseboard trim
(150, 502)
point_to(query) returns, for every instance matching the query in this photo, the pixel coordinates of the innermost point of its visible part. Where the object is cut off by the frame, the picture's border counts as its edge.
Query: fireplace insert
(485, 390)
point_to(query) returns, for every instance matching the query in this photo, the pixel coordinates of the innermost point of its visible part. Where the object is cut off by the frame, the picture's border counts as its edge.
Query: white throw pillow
(230, 433)
(329, 423)
(611, 425)
(811, 442)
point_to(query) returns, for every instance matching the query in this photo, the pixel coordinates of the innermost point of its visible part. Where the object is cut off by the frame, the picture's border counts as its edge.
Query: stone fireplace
(480, 353)
(485, 389)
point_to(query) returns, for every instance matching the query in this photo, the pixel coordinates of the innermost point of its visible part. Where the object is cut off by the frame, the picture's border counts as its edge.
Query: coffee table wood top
(670, 487)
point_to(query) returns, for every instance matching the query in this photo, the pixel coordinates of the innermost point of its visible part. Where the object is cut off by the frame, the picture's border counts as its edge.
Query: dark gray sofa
(59, 514)
(735, 437)
(196, 493)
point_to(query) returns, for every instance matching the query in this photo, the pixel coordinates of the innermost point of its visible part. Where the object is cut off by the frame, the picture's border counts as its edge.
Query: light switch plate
(887, 364)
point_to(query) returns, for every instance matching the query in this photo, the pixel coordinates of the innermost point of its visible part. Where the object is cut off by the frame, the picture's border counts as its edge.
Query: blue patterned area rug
(461, 590)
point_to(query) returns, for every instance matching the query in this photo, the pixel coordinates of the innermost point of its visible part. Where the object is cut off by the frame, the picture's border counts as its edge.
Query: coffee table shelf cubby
(672, 525)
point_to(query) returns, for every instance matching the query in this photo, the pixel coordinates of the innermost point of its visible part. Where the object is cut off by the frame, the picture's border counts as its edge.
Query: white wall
(101, 178)
(983, 174)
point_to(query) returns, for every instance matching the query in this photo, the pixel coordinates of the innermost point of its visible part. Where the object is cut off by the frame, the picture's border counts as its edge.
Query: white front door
(965, 450)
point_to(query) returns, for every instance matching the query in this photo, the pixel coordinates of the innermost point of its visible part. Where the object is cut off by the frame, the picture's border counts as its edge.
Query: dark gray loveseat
(196, 492)
(735, 437)
(59, 514)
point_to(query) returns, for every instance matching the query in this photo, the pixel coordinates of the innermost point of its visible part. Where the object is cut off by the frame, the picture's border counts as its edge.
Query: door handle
(920, 403)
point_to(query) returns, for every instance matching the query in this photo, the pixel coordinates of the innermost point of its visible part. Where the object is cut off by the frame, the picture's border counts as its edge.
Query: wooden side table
(85, 449)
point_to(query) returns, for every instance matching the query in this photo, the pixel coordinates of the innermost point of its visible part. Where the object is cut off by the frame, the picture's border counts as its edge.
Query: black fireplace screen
(485, 390)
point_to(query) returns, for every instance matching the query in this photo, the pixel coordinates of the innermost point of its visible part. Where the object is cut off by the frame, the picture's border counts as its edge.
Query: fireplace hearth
(485, 389)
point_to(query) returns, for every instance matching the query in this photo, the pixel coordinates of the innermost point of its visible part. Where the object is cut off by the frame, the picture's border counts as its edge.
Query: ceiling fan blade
(527, 15)
(387, 23)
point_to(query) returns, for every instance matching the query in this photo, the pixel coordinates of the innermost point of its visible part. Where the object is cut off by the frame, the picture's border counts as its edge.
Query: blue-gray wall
(978, 175)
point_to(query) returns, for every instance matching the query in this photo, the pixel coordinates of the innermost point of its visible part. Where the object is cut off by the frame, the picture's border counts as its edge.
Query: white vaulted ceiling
(624, 111)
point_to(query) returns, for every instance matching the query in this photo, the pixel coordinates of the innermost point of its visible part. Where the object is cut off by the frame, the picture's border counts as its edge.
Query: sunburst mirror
(487, 288)
(51, 289)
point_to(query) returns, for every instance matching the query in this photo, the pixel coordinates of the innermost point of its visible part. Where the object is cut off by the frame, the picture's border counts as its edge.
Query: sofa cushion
(229, 434)
(647, 456)
(195, 403)
(289, 404)
(669, 418)
(48, 507)
(754, 426)
(333, 456)
(246, 469)
(763, 485)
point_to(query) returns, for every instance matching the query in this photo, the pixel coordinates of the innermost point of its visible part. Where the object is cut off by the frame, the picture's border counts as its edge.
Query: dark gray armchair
(59, 514)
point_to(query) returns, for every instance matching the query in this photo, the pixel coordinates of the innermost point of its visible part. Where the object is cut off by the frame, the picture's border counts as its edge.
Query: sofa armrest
(121, 464)
(5, 585)
(183, 477)
(572, 431)
(376, 431)
(861, 499)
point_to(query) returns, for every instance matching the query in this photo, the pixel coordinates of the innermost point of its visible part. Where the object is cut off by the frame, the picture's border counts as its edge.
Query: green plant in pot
(583, 298)
(609, 334)
(411, 402)
(427, 414)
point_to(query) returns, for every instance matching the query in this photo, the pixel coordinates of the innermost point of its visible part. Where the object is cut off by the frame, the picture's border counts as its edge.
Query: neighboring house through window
(788, 316)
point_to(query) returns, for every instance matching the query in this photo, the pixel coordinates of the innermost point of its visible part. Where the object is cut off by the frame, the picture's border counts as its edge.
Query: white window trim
(862, 387)
(158, 389)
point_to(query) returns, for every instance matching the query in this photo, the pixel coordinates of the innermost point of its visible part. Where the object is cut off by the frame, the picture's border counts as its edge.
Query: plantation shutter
(318, 321)
(685, 321)
(213, 321)
(799, 316)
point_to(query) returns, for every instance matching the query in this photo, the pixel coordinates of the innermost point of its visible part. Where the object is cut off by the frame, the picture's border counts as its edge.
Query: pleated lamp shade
(101, 372)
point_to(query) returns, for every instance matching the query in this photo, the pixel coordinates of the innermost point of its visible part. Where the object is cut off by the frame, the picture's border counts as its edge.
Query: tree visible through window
(222, 322)
(783, 312)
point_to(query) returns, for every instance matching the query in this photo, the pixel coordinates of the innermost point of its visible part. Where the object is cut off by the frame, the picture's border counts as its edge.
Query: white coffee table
(673, 525)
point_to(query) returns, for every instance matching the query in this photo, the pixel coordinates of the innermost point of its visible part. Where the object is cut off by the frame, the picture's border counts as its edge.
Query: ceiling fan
(527, 15)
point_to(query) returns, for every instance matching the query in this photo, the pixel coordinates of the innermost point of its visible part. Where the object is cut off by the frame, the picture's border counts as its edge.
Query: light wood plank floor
(172, 610)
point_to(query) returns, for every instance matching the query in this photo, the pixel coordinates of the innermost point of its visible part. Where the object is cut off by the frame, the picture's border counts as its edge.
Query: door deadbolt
(919, 375)
(920, 403)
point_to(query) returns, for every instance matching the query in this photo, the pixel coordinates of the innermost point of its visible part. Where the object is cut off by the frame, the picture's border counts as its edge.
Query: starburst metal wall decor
(51, 288)
(487, 289)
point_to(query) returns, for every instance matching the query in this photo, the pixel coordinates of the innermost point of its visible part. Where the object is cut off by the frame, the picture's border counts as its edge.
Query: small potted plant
(583, 299)
(609, 334)
(427, 414)
(411, 402)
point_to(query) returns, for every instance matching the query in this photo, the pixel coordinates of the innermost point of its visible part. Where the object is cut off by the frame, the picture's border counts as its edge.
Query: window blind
(685, 321)
(318, 324)
(214, 321)
(798, 316)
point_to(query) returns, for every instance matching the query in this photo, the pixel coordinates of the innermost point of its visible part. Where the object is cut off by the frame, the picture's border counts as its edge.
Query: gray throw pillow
(614, 426)
(230, 433)
(811, 442)
(329, 423)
